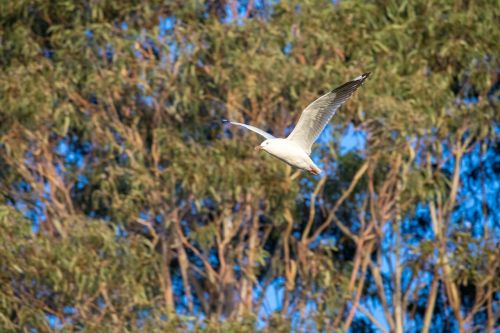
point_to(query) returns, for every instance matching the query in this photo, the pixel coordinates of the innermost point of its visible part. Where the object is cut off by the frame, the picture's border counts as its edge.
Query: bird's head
(263, 146)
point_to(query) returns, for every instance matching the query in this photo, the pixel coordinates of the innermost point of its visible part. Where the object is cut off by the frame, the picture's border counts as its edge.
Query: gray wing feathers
(316, 116)
(252, 128)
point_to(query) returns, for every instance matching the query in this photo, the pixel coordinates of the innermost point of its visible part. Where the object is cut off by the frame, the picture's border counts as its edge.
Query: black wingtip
(350, 86)
(362, 77)
(224, 121)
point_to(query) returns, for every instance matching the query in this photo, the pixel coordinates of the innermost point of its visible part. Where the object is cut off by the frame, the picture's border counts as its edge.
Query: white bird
(296, 148)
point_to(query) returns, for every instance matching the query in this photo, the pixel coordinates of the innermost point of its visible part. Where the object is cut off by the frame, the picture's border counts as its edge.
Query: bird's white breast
(290, 153)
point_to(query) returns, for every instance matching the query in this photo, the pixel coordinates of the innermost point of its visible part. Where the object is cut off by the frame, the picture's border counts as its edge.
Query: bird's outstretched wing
(315, 117)
(251, 128)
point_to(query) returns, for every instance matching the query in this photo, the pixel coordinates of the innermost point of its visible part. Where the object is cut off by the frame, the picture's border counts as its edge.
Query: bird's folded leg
(314, 170)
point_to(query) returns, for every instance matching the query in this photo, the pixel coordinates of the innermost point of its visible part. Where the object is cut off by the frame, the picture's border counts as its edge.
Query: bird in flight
(296, 148)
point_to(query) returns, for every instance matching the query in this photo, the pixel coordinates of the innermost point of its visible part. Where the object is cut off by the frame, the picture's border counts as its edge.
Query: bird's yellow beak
(258, 148)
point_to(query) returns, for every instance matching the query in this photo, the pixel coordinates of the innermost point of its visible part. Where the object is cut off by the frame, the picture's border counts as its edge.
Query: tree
(127, 206)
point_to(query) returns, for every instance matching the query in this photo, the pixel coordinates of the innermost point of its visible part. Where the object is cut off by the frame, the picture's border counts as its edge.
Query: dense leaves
(126, 206)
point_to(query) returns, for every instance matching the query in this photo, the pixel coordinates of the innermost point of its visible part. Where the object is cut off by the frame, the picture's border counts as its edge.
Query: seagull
(296, 148)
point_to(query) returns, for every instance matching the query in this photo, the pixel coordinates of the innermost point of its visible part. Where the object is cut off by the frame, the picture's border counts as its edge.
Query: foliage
(126, 206)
